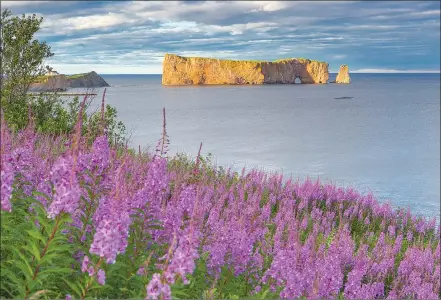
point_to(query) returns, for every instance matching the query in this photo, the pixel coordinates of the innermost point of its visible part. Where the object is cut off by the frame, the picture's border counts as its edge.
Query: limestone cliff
(178, 70)
(87, 80)
(343, 75)
(55, 83)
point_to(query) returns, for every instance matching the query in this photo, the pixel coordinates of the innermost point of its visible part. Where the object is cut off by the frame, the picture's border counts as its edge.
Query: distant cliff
(53, 83)
(86, 80)
(178, 70)
(61, 82)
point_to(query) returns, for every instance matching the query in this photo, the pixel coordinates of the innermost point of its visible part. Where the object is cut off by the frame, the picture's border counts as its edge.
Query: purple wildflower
(391, 230)
(154, 288)
(85, 264)
(67, 189)
(109, 239)
(7, 179)
(101, 277)
(409, 236)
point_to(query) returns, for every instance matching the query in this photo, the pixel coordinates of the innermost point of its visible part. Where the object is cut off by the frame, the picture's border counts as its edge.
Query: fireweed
(104, 222)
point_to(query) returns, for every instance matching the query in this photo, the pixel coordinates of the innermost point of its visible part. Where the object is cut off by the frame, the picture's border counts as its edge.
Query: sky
(131, 37)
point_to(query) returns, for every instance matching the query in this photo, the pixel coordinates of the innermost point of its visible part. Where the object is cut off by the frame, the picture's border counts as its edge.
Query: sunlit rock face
(178, 70)
(53, 83)
(343, 75)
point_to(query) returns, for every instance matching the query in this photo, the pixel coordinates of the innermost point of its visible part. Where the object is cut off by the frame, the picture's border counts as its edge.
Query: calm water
(386, 139)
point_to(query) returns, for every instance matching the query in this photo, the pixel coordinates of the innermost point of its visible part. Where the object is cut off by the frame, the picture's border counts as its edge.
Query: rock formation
(343, 75)
(61, 82)
(53, 83)
(178, 70)
(87, 80)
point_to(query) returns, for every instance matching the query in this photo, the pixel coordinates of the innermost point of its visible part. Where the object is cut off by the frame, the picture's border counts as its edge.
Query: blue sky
(133, 36)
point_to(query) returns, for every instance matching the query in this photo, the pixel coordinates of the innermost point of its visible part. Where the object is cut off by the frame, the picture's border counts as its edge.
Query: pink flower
(85, 264)
(7, 179)
(101, 277)
(67, 189)
(154, 287)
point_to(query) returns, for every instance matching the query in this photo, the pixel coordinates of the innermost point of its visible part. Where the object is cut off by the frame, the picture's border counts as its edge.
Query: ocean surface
(381, 133)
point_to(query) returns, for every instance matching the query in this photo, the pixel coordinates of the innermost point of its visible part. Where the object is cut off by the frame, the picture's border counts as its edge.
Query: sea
(379, 134)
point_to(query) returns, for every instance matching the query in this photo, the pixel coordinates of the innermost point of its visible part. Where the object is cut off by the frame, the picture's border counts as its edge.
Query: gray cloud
(130, 33)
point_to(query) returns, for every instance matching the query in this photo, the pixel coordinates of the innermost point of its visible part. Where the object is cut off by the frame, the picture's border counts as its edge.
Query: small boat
(338, 98)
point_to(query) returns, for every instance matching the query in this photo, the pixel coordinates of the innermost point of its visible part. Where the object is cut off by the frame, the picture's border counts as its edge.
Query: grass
(282, 60)
(75, 76)
(301, 59)
(42, 79)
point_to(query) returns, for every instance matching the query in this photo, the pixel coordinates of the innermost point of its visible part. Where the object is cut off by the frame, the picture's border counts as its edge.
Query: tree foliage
(23, 59)
(22, 56)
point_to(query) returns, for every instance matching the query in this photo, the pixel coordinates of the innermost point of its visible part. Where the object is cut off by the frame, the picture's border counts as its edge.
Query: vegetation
(22, 56)
(41, 79)
(99, 220)
(229, 61)
(300, 59)
(75, 76)
(23, 59)
(104, 221)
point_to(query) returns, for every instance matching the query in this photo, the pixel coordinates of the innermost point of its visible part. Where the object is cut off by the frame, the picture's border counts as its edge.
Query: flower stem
(46, 247)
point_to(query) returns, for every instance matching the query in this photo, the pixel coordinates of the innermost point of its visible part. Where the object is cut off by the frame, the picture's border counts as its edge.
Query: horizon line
(353, 72)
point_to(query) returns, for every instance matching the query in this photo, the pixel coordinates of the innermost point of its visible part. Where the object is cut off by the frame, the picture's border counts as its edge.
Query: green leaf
(48, 257)
(43, 220)
(264, 293)
(4, 288)
(56, 271)
(54, 247)
(38, 294)
(74, 286)
(66, 218)
(32, 249)
(36, 234)
(23, 263)
(33, 283)
(19, 283)
(179, 292)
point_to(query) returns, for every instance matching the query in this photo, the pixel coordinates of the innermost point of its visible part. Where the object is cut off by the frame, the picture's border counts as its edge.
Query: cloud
(269, 6)
(13, 3)
(339, 56)
(433, 12)
(394, 71)
(108, 69)
(134, 35)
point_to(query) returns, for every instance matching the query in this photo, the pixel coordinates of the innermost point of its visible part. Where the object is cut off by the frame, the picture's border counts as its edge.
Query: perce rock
(178, 70)
(343, 75)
